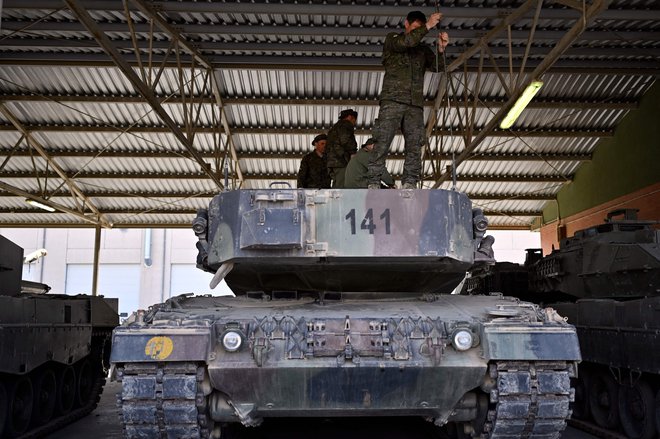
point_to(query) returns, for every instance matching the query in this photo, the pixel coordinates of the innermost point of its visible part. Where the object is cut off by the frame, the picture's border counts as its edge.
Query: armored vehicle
(607, 281)
(339, 312)
(609, 277)
(53, 351)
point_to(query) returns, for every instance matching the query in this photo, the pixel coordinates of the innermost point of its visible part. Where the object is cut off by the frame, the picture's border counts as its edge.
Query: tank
(54, 351)
(606, 280)
(340, 310)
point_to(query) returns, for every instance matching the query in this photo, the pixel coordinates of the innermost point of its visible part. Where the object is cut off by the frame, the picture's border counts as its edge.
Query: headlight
(462, 340)
(232, 341)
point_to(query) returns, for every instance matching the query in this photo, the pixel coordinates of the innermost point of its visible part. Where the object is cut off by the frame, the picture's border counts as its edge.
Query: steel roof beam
(210, 194)
(375, 33)
(321, 63)
(147, 175)
(103, 40)
(396, 156)
(352, 50)
(548, 102)
(315, 10)
(530, 132)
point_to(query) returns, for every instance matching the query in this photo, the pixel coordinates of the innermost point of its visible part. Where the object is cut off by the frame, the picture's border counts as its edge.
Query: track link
(531, 400)
(163, 401)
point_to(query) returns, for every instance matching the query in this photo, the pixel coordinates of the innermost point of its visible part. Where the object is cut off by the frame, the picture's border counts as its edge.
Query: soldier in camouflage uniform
(357, 170)
(341, 146)
(406, 59)
(313, 173)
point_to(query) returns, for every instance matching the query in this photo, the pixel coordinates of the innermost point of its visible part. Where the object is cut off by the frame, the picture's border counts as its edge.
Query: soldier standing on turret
(341, 146)
(406, 59)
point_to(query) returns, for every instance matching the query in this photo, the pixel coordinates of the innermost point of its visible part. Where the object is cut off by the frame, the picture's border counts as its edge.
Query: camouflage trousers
(338, 176)
(391, 117)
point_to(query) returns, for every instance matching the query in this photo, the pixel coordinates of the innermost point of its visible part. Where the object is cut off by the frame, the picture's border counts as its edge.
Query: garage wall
(624, 172)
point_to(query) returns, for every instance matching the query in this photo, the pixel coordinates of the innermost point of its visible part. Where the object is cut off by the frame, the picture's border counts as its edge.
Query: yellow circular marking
(159, 348)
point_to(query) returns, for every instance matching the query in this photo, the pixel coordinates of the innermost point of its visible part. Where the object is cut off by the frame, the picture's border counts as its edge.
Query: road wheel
(85, 381)
(45, 397)
(3, 407)
(66, 390)
(581, 404)
(636, 410)
(20, 401)
(603, 397)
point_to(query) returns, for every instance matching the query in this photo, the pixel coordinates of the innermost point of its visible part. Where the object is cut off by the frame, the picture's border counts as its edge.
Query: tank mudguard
(546, 342)
(160, 344)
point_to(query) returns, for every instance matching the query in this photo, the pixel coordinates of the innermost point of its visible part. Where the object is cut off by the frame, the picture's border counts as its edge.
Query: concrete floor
(103, 423)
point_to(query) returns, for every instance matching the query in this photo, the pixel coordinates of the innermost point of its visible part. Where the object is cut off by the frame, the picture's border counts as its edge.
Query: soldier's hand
(443, 40)
(433, 20)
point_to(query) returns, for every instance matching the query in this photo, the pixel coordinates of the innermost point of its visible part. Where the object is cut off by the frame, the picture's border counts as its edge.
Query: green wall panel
(624, 163)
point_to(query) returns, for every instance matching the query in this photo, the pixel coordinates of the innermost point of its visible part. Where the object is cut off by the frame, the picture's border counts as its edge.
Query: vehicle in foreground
(340, 312)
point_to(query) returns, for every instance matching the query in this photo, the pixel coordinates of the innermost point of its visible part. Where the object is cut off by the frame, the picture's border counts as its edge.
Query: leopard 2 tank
(54, 351)
(339, 311)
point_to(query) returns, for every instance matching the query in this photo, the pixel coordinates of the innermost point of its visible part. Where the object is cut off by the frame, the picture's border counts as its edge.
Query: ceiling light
(520, 104)
(39, 205)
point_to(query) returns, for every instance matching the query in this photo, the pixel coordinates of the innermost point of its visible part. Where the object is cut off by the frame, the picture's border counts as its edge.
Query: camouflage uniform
(406, 59)
(357, 171)
(341, 145)
(313, 173)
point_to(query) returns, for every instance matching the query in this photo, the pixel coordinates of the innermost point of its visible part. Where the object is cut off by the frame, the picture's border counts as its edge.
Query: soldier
(313, 173)
(341, 146)
(406, 59)
(357, 169)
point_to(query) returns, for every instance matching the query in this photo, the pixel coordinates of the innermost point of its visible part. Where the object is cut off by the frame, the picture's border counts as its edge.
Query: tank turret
(344, 241)
(617, 259)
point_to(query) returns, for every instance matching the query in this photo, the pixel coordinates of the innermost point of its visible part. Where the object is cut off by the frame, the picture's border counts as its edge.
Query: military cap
(416, 16)
(319, 137)
(370, 141)
(348, 112)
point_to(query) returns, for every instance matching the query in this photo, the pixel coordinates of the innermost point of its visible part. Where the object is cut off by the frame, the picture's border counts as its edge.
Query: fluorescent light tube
(520, 104)
(39, 205)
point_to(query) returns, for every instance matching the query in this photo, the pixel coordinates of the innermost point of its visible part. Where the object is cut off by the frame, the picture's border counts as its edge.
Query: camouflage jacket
(313, 173)
(341, 144)
(406, 59)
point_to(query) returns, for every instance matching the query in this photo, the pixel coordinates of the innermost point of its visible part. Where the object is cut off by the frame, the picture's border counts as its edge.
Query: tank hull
(350, 358)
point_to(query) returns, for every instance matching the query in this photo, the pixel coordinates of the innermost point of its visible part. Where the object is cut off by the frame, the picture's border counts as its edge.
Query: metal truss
(197, 79)
(85, 208)
(514, 81)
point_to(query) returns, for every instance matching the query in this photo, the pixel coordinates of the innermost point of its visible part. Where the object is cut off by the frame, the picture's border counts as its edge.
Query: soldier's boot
(373, 186)
(408, 185)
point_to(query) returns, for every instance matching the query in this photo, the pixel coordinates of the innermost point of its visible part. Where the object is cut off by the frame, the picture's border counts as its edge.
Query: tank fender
(528, 342)
(140, 344)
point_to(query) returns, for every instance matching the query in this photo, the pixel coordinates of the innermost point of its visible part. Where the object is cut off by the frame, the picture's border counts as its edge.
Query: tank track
(98, 344)
(163, 401)
(531, 400)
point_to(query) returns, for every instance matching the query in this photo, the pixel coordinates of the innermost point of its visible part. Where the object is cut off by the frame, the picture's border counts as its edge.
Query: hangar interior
(129, 114)
(134, 114)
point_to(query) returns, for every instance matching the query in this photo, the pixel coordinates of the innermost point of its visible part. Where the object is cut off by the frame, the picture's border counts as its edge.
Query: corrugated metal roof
(285, 71)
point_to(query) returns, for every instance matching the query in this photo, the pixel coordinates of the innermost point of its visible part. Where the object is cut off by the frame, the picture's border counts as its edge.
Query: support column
(95, 268)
